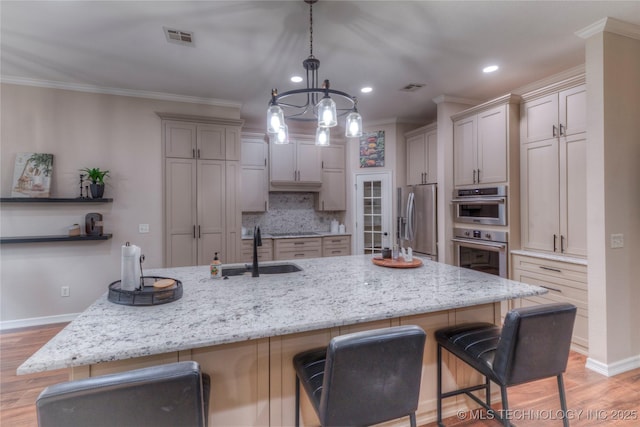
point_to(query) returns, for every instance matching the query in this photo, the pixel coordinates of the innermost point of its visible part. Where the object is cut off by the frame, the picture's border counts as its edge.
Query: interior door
(373, 213)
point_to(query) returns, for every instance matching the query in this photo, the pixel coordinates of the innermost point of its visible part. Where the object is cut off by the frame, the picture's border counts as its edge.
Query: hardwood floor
(592, 399)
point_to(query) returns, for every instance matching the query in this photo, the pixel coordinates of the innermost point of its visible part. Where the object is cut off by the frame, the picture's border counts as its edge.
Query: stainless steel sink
(285, 267)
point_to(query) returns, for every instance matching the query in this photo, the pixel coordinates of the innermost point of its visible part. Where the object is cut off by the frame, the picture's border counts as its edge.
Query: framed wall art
(32, 175)
(372, 149)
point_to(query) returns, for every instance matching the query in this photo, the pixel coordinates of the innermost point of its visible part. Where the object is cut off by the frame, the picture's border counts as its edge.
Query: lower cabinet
(566, 282)
(336, 246)
(297, 248)
(265, 252)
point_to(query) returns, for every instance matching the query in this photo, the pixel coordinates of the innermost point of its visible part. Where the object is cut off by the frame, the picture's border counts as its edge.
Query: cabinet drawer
(336, 246)
(298, 248)
(565, 290)
(557, 269)
(265, 252)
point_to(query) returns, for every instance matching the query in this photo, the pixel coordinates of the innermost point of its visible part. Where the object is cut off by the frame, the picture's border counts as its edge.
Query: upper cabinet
(295, 166)
(206, 141)
(255, 173)
(422, 161)
(333, 193)
(483, 138)
(553, 168)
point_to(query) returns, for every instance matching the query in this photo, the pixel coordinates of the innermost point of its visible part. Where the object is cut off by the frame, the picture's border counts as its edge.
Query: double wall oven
(483, 250)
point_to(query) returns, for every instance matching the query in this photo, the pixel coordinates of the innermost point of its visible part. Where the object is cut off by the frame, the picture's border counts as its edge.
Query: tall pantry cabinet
(202, 181)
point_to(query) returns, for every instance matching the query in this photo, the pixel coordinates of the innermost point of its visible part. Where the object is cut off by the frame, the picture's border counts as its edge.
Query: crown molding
(610, 25)
(454, 99)
(78, 87)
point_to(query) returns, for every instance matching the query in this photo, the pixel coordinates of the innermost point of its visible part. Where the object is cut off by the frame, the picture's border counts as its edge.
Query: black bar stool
(533, 344)
(174, 394)
(363, 378)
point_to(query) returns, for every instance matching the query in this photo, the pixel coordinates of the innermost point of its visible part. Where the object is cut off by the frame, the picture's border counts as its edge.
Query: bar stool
(174, 394)
(533, 344)
(363, 378)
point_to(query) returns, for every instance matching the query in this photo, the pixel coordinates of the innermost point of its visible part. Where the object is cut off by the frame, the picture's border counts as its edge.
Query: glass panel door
(372, 213)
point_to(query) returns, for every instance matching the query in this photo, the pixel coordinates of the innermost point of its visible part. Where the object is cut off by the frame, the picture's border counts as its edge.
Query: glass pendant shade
(327, 115)
(353, 128)
(275, 119)
(282, 136)
(323, 137)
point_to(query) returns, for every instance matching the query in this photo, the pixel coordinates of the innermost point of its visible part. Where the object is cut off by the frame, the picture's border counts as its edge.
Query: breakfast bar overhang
(245, 331)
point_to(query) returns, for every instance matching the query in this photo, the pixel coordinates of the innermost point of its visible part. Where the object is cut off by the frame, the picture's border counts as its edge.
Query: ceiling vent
(412, 87)
(178, 36)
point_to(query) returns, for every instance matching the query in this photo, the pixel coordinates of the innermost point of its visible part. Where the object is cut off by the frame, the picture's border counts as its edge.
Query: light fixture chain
(311, 30)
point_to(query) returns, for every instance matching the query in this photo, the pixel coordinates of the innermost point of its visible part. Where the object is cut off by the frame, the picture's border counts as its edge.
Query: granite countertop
(329, 292)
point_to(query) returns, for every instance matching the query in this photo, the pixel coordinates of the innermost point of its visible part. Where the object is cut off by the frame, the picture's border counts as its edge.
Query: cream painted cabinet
(201, 190)
(333, 193)
(265, 252)
(295, 165)
(422, 161)
(255, 174)
(553, 179)
(482, 140)
(303, 247)
(336, 245)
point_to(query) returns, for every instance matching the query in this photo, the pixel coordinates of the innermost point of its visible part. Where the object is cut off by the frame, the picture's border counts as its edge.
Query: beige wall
(613, 87)
(118, 133)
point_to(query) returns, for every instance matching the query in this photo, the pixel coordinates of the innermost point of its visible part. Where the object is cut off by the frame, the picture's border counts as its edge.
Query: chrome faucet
(257, 241)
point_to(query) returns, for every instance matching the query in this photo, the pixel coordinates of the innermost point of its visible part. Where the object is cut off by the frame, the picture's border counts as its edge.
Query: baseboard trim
(613, 369)
(37, 321)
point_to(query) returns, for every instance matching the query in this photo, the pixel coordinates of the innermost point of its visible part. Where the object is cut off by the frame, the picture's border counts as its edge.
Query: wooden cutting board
(396, 263)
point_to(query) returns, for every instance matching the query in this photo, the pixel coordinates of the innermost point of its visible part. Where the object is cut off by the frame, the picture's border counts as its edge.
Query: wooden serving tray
(396, 263)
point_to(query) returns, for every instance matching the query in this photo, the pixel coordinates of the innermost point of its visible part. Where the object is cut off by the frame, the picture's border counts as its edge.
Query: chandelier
(312, 103)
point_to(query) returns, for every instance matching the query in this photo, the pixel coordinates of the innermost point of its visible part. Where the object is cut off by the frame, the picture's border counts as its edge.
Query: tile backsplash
(291, 212)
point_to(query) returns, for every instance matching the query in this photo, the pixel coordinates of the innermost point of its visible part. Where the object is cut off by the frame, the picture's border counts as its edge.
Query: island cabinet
(484, 138)
(255, 173)
(201, 190)
(295, 166)
(422, 155)
(553, 170)
(333, 193)
(565, 281)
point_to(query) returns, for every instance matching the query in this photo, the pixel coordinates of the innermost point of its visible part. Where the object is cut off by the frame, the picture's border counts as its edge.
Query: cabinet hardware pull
(551, 289)
(298, 243)
(193, 153)
(194, 231)
(265, 161)
(265, 205)
(562, 243)
(198, 153)
(562, 132)
(322, 167)
(474, 176)
(550, 269)
(554, 130)
(298, 255)
(478, 176)
(336, 252)
(199, 234)
(554, 243)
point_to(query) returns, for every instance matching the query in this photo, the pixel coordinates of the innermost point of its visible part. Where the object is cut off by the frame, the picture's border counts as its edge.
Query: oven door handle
(483, 245)
(478, 201)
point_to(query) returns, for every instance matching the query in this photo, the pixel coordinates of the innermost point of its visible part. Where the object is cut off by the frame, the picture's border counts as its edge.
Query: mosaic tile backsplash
(291, 212)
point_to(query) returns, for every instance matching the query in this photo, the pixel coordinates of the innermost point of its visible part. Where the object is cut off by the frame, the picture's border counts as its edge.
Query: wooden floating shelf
(52, 200)
(40, 239)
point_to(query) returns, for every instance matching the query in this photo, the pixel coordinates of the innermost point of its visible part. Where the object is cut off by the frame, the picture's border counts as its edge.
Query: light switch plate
(143, 228)
(617, 241)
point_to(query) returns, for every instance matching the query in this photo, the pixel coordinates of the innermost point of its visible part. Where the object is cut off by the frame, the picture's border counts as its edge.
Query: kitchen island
(244, 331)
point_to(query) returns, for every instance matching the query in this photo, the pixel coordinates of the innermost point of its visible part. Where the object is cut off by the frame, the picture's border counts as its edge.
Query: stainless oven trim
(480, 200)
(498, 247)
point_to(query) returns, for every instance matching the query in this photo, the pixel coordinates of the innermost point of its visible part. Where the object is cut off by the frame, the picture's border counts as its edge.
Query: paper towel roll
(130, 268)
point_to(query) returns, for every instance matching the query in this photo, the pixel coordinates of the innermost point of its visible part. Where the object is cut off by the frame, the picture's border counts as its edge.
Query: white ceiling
(244, 48)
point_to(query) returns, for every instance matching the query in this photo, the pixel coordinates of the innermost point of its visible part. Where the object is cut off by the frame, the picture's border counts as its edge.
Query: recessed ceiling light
(366, 89)
(490, 68)
(296, 79)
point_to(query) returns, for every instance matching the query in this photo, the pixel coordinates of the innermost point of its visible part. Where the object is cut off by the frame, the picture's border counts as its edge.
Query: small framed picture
(32, 175)
(372, 150)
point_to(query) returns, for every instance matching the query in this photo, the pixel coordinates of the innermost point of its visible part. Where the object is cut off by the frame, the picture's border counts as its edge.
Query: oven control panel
(487, 235)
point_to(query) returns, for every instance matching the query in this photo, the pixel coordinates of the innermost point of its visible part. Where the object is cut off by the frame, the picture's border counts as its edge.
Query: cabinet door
(573, 194)
(333, 195)
(416, 159)
(464, 150)
(179, 140)
(180, 220)
(492, 146)
(211, 142)
(211, 210)
(255, 179)
(309, 162)
(233, 148)
(432, 157)
(233, 212)
(254, 152)
(539, 119)
(573, 110)
(540, 195)
(333, 157)
(282, 162)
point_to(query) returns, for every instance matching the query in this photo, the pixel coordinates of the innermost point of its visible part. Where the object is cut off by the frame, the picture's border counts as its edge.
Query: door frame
(387, 207)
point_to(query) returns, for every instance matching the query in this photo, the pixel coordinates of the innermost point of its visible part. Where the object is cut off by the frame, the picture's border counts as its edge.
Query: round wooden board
(396, 263)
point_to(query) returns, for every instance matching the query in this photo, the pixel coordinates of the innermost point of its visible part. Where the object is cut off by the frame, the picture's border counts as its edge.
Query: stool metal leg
(412, 419)
(297, 401)
(439, 391)
(563, 401)
(505, 406)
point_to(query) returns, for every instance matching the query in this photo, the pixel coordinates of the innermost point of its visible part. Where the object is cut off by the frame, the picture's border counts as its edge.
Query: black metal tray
(148, 295)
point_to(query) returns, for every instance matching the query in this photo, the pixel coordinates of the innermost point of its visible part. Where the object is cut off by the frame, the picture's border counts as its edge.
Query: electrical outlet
(617, 241)
(143, 228)
(64, 291)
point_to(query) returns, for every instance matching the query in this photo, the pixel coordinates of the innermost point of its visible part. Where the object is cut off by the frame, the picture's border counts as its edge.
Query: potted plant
(96, 176)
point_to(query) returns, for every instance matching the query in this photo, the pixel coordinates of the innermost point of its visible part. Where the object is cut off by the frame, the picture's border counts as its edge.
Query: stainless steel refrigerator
(417, 220)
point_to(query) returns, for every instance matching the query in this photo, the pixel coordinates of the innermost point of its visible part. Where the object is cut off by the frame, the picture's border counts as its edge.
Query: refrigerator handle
(411, 217)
